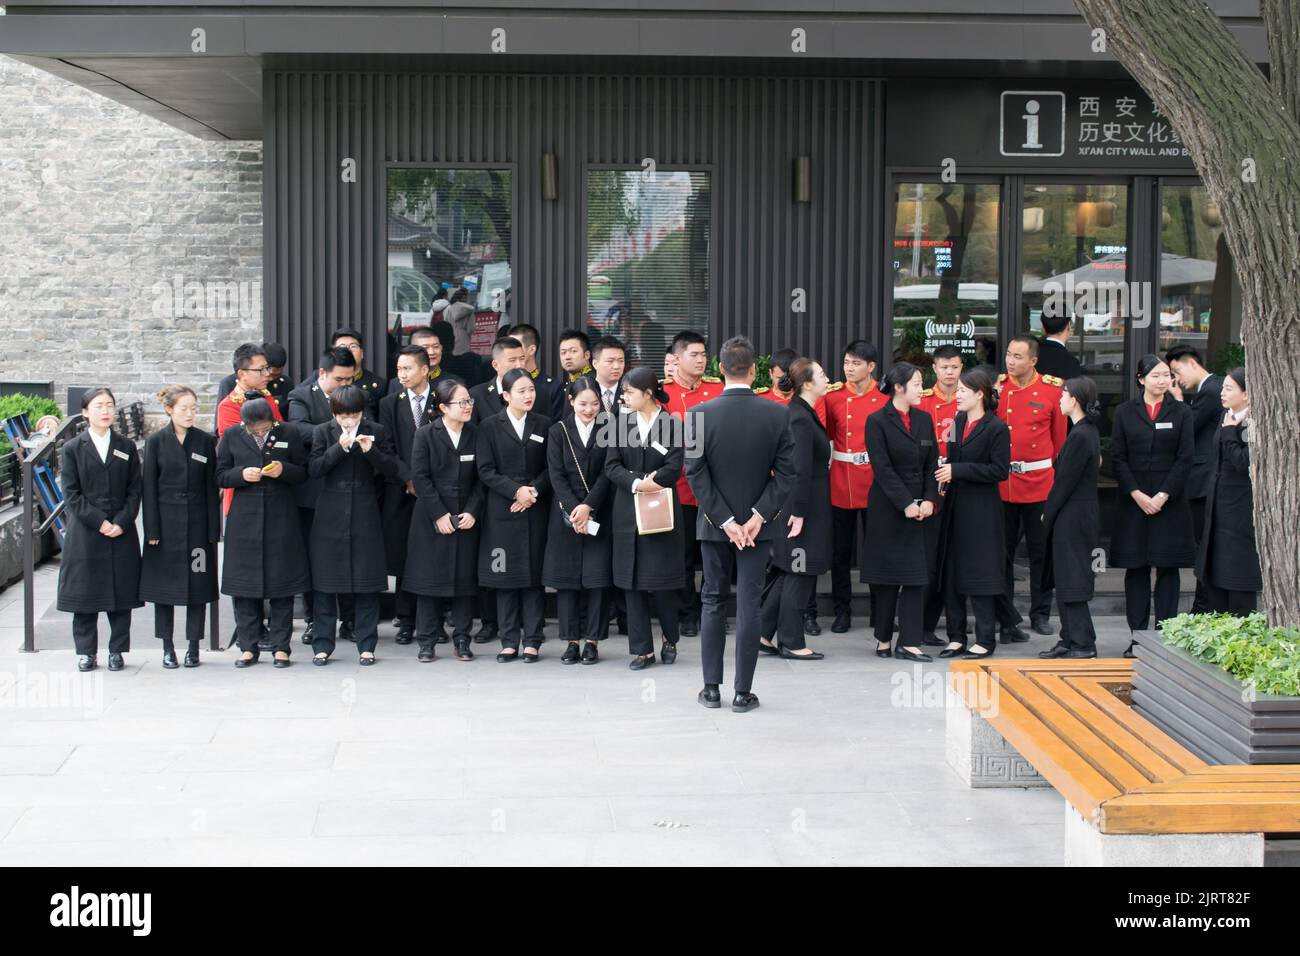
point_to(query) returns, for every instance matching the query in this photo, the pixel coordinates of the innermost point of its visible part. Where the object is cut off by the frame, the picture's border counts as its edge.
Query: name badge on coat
(121, 454)
(201, 459)
(1162, 425)
(659, 448)
(466, 457)
(280, 444)
(537, 438)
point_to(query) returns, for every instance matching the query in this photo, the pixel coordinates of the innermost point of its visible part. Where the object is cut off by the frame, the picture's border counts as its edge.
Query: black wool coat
(98, 573)
(809, 498)
(649, 562)
(1228, 557)
(1207, 416)
(972, 545)
(1153, 457)
(578, 477)
(263, 556)
(446, 482)
(1071, 516)
(308, 408)
(398, 505)
(512, 547)
(903, 463)
(182, 511)
(347, 536)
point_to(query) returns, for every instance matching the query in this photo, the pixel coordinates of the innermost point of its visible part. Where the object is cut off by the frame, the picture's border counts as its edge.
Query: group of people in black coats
(477, 511)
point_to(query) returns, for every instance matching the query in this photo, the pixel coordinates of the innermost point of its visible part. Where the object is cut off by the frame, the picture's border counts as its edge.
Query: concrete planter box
(1209, 711)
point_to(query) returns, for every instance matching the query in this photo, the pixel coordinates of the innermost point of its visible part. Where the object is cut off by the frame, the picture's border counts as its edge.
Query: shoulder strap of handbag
(576, 464)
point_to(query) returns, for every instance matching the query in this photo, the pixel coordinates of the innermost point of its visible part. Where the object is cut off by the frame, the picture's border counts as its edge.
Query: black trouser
(905, 600)
(85, 632)
(365, 627)
(1077, 632)
(164, 620)
(521, 612)
(688, 597)
(430, 611)
(1239, 603)
(584, 615)
(785, 601)
(248, 622)
(720, 557)
(347, 612)
(640, 640)
(1137, 596)
(953, 607)
(1200, 600)
(487, 610)
(986, 617)
(846, 525)
(404, 608)
(1026, 517)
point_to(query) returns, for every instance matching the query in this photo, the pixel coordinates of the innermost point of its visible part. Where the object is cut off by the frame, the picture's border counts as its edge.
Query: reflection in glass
(449, 240)
(1193, 288)
(945, 260)
(648, 254)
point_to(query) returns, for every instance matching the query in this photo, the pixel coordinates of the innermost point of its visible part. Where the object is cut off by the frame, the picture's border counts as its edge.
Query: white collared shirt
(584, 431)
(518, 423)
(643, 427)
(101, 444)
(455, 437)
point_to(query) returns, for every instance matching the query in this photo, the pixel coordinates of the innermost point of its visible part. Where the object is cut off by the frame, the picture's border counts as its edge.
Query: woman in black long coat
(646, 454)
(442, 549)
(578, 552)
(262, 460)
(1152, 447)
(901, 444)
(971, 534)
(1228, 561)
(353, 456)
(512, 466)
(182, 523)
(100, 567)
(804, 552)
(1072, 522)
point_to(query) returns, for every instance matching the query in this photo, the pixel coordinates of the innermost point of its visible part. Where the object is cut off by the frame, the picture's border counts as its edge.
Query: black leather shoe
(404, 636)
(841, 623)
(1077, 654)
(689, 628)
(710, 697)
(901, 653)
(1014, 634)
(668, 653)
(191, 658)
(463, 653)
(280, 662)
(1060, 650)
(534, 657)
(320, 660)
(641, 662)
(86, 662)
(1041, 627)
(307, 635)
(743, 702)
(169, 660)
(590, 653)
(792, 656)
(770, 649)
(365, 661)
(1128, 651)
(976, 656)
(504, 658)
(884, 651)
(572, 654)
(953, 651)
(115, 662)
(346, 633)
(425, 656)
(485, 635)
(810, 626)
(929, 639)
(246, 662)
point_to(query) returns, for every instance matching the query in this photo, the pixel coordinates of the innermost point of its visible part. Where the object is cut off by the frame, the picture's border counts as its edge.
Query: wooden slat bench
(1120, 775)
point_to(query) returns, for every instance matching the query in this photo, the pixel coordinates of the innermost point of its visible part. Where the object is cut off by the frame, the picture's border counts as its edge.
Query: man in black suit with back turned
(740, 464)
(1054, 355)
(1201, 390)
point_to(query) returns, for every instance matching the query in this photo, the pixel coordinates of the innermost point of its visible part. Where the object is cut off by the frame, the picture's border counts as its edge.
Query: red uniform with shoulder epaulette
(773, 395)
(681, 399)
(943, 409)
(1033, 415)
(846, 423)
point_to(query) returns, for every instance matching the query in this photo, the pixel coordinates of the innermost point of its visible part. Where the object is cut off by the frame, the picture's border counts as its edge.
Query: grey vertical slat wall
(325, 241)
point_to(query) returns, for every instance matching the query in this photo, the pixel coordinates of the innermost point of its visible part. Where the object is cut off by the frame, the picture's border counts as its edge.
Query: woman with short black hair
(100, 567)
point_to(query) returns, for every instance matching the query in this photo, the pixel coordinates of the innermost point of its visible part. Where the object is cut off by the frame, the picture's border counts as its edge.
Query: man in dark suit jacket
(507, 353)
(740, 464)
(1200, 389)
(1054, 355)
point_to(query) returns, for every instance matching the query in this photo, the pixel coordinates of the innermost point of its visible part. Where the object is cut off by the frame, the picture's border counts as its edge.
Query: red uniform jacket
(846, 420)
(680, 400)
(1033, 414)
(775, 396)
(943, 411)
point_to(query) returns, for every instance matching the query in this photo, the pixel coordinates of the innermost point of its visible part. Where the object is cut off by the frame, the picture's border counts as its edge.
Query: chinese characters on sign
(1123, 126)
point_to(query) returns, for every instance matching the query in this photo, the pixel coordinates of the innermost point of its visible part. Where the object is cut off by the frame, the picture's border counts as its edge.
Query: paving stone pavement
(480, 763)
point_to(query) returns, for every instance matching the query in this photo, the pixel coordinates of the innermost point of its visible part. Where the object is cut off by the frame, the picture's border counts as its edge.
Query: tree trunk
(1234, 121)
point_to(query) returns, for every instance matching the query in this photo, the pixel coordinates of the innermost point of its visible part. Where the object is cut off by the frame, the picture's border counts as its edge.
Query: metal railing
(32, 456)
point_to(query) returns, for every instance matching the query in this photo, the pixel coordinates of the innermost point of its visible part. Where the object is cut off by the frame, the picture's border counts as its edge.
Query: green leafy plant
(762, 370)
(1232, 355)
(33, 406)
(1245, 647)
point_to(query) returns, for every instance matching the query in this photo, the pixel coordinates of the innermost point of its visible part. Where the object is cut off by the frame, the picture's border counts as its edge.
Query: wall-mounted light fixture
(550, 177)
(803, 179)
